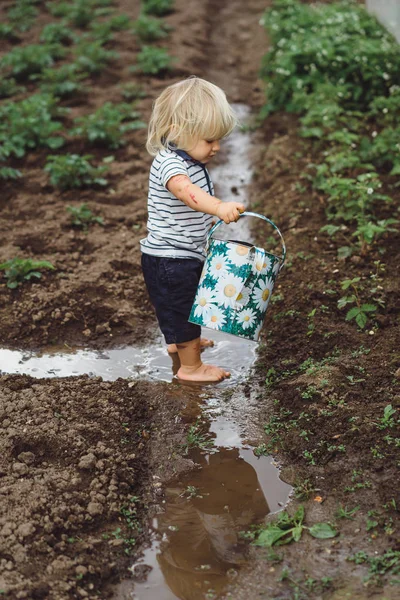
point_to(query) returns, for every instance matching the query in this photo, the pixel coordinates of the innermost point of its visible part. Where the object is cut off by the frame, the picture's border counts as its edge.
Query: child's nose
(216, 146)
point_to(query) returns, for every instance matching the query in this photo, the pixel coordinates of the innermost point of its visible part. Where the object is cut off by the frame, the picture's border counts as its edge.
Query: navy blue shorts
(172, 285)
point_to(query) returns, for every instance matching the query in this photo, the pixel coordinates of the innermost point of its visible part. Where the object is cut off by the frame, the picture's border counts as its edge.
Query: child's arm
(194, 197)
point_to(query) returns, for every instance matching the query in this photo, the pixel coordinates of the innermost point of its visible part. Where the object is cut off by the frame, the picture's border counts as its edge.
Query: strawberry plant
(385, 109)
(132, 91)
(384, 149)
(61, 82)
(91, 57)
(108, 124)
(57, 33)
(9, 173)
(22, 14)
(149, 29)
(339, 43)
(22, 62)
(67, 171)
(158, 8)
(29, 124)
(9, 87)
(18, 270)
(104, 31)
(8, 32)
(80, 13)
(361, 311)
(153, 61)
(82, 216)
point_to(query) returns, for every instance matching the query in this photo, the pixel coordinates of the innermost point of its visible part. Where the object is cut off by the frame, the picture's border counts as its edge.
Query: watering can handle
(252, 214)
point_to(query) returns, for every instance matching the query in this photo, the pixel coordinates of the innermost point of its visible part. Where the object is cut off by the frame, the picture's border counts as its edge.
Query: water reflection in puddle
(197, 547)
(152, 362)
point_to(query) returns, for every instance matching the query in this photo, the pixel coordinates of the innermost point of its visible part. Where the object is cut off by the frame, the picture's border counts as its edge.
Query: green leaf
(353, 312)
(345, 252)
(269, 536)
(368, 307)
(298, 517)
(296, 532)
(361, 320)
(322, 531)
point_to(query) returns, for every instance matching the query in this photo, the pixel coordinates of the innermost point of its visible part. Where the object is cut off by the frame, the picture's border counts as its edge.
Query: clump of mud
(80, 459)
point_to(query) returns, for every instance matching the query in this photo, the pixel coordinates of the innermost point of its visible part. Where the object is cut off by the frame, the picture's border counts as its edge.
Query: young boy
(188, 121)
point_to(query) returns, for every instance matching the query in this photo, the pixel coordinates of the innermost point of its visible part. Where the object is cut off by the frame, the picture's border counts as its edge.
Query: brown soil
(65, 449)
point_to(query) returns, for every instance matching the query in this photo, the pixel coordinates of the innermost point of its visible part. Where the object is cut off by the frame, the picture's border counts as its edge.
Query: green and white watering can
(236, 284)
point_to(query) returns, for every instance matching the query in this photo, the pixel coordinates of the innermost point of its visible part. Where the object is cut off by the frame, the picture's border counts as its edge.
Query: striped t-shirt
(174, 229)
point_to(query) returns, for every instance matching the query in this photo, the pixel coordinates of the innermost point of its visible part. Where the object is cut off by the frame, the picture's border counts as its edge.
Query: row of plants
(339, 69)
(37, 120)
(36, 62)
(32, 122)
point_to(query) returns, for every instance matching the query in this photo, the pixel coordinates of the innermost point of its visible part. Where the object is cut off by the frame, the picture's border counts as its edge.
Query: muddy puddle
(196, 547)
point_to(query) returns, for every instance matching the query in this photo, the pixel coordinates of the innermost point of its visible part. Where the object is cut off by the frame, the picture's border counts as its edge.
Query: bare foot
(204, 343)
(202, 372)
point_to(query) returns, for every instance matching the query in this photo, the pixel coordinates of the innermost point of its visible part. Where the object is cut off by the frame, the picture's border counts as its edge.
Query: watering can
(236, 284)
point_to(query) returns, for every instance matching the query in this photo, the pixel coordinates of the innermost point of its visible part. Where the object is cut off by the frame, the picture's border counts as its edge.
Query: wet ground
(108, 469)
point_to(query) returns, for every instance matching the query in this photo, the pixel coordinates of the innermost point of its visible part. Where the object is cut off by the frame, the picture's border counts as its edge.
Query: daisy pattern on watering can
(236, 285)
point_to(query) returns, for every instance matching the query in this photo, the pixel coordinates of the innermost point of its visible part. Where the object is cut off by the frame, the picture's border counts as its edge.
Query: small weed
(82, 216)
(304, 489)
(290, 528)
(343, 512)
(358, 485)
(261, 450)
(309, 456)
(191, 492)
(387, 421)
(376, 453)
(18, 270)
(309, 393)
(361, 311)
(130, 514)
(378, 566)
(196, 439)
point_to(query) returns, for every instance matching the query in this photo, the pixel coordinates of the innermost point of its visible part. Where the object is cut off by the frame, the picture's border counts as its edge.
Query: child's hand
(229, 211)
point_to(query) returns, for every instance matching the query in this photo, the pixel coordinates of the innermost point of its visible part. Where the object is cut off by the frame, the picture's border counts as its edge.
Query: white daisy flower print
(218, 266)
(215, 318)
(227, 290)
(262, 262)
(243, 297)
(205, 299)
(246, 318)
(238, 254)
(261, 294)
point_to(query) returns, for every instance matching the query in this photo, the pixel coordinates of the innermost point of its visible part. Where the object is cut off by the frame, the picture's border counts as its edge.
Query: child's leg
(193, 369)
(204, 343)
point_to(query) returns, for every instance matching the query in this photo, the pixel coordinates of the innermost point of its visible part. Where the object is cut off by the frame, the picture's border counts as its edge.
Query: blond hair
(189, 111)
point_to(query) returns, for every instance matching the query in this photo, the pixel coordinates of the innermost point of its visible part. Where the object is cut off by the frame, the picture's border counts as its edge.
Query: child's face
(204, 150)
